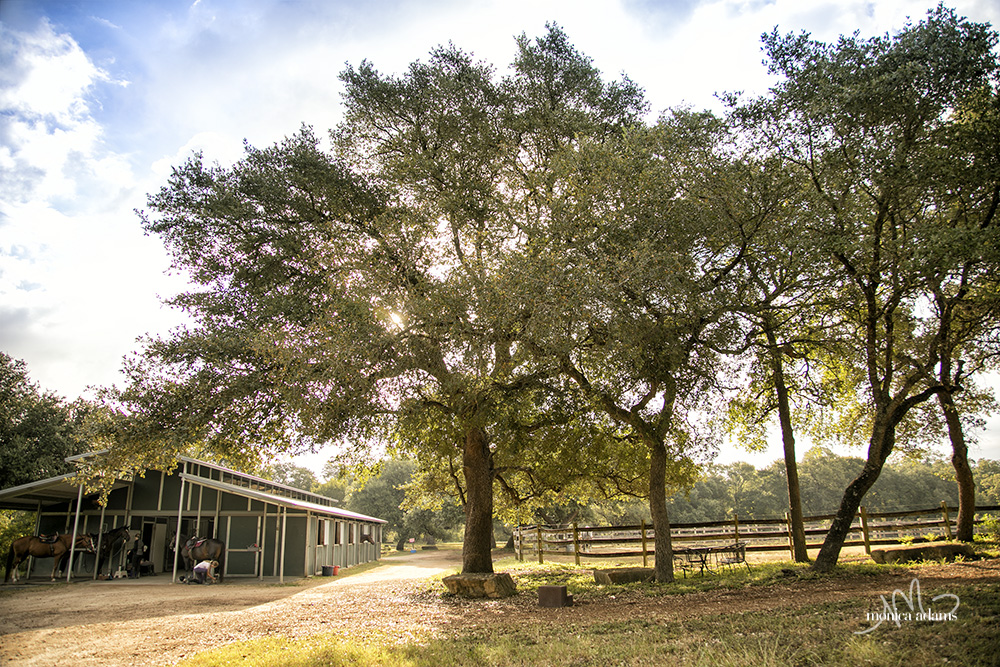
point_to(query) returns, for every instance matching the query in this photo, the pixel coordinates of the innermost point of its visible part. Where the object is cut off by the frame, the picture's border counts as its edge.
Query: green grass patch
(814, 634)
(820, 634)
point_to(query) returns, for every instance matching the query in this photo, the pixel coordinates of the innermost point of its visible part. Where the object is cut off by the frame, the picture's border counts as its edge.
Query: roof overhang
(44, 493)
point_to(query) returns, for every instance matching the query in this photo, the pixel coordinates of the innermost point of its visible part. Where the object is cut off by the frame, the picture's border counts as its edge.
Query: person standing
(135, 557)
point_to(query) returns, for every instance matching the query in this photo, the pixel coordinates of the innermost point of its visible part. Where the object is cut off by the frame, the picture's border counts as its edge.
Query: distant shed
(270, 530)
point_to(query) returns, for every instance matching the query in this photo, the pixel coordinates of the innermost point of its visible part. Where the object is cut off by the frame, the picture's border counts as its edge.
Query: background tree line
(392, 492)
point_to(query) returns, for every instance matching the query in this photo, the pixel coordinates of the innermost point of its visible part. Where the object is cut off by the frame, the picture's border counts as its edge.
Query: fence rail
(868, 528)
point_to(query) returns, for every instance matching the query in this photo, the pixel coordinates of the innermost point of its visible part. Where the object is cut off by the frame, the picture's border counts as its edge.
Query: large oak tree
(868, 121)
(358, 292)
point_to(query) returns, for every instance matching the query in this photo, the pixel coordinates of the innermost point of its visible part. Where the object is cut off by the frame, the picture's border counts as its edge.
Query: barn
(270, 530)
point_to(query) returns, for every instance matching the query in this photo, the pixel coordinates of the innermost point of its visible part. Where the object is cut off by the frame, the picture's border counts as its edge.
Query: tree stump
(486, 585)
(624, 575)
(929, 551)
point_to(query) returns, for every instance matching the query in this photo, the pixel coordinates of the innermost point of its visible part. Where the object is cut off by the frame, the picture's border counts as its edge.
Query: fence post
(576, 543)
(541, 557)
(791, 541)
(864, 529)
(642, 527)
(517, 543)
(736, 526)
(947, 520)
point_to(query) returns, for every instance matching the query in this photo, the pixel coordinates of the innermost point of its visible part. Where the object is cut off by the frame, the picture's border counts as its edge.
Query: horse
(111, 542)
(198, 549)
(34, 546)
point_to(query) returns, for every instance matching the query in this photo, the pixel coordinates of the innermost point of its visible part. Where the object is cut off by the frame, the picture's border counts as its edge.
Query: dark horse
(197, 549)
(35, 546)
(112, 542)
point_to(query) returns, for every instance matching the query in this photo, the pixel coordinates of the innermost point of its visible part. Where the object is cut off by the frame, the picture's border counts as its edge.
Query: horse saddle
(195, 542)
(52, 538)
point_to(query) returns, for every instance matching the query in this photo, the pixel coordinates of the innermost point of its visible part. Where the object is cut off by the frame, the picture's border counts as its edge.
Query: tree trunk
(882, 442)
(477, 554)
(963, 471)
(788, 444)
(662, 547)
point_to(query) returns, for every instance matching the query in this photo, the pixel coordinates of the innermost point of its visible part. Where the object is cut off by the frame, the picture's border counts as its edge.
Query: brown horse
(198, 549)
(34, 546)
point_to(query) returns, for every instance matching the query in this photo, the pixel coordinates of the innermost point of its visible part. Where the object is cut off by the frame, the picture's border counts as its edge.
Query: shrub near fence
(868, 529)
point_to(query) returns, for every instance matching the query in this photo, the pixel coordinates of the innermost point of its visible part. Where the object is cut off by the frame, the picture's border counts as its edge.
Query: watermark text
(911, 609)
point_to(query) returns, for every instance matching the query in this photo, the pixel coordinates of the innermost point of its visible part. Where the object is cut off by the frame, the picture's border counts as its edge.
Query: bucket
(330, 570)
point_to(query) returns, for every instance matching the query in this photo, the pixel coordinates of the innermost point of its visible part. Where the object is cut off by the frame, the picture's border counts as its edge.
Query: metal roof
(61, 489)
(277, 500)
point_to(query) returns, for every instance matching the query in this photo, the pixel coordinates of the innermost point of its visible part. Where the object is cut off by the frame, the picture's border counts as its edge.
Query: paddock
(271, 531)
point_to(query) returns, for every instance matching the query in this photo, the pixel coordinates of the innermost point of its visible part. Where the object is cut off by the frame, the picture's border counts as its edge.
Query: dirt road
(154, 622)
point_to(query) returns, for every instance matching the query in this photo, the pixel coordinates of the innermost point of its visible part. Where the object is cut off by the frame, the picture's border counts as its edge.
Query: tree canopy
(538, 295)
(38, 429)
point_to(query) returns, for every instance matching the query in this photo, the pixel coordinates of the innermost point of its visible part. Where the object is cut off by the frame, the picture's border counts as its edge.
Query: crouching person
(204, 572)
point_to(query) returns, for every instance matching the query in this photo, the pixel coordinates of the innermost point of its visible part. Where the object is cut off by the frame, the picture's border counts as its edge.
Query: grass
(822, 634)
(791, 635)
(579, 579)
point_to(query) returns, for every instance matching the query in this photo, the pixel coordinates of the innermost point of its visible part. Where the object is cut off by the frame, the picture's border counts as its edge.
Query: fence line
(867, 529)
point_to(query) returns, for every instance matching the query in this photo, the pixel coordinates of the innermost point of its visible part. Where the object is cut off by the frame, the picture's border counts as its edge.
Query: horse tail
(10, 564)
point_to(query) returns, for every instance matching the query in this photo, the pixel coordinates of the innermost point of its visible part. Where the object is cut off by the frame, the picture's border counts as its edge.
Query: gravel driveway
(154, 622)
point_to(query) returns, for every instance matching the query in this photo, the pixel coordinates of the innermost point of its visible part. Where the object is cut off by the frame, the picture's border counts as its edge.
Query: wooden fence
(868, 528)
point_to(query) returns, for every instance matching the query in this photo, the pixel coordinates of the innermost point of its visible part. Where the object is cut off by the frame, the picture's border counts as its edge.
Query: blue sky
(99, 98)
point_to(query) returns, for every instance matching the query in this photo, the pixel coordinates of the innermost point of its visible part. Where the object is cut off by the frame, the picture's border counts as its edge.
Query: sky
(100, 98)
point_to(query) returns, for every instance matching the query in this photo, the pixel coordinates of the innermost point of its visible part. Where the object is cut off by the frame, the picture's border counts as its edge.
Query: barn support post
(218, 514)
(277, 540)
(100, 540)
(76, 526)
(38, 529)
(177, 533)
(262, 541)
(258, 562)
(228, 541)
(201, 494)
(305, 550)
(284, 525)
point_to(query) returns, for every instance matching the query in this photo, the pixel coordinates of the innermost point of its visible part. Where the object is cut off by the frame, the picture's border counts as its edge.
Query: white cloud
(77, 277)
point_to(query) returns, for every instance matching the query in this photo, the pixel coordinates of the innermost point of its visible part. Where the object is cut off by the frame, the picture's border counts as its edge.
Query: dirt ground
(154, 622)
